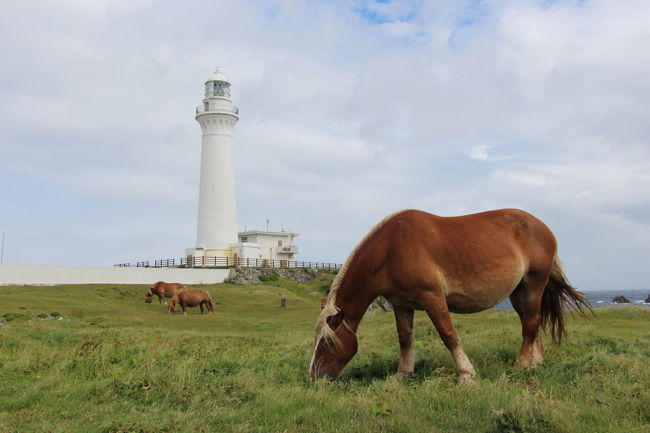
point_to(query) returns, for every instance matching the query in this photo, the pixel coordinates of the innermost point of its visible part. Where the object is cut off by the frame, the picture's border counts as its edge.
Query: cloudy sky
(349, 110)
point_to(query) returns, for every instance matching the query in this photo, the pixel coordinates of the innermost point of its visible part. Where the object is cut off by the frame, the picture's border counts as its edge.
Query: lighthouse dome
(217, 85)
(217, 75)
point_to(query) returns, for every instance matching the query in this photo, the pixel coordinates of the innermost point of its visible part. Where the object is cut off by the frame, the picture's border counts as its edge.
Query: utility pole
(2, 254)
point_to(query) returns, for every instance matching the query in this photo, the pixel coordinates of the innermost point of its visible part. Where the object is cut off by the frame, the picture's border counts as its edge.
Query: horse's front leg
(201, 306)
(435, 304)
(404, 322)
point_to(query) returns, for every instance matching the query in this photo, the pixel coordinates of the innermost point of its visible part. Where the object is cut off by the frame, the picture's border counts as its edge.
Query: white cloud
(349, 111)
(480, 151)
(520, 177)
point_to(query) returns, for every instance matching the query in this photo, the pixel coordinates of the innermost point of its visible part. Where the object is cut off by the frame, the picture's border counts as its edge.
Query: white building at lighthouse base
(253, 246)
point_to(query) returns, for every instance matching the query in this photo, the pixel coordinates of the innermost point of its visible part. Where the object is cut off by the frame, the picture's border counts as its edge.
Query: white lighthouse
(217, 240)
(216, 233)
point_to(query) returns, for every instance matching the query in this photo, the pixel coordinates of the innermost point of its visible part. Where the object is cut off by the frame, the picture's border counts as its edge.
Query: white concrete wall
(246, 250)
(53, 275)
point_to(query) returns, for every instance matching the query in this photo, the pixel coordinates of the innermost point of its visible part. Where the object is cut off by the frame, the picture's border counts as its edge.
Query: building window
(279, 243)
(244, 238)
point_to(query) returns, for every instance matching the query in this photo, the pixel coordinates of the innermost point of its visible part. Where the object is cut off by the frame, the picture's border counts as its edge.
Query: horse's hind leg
(526, 300)
(404, 322)
(435, 305)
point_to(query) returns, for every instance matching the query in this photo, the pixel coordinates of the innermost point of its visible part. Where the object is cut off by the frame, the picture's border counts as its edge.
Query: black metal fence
(229, 262)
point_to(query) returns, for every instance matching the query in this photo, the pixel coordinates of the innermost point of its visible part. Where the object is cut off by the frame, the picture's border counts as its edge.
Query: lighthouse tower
(216, 233)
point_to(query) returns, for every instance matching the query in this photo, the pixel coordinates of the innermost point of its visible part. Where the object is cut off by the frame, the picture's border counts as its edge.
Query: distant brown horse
(191, 298)
(466, 264)
(163, 290)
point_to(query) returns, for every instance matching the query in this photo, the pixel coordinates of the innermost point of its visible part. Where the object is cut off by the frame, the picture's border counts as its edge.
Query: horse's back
(194, 297)
(469, 237)
(169, 289)
(474, 260)
(176, 287)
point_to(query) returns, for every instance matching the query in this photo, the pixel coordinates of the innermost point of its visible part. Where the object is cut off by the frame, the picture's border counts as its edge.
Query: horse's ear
(335, 321)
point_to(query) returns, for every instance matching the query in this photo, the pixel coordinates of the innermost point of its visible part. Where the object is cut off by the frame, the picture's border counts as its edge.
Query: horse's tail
(558, 295)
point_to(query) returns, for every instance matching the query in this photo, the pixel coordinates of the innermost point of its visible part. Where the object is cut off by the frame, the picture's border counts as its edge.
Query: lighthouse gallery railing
(229, 262)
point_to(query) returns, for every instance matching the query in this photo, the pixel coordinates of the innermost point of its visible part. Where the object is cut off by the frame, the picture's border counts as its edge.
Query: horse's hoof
(401, 373)
(525, 363)
(536, 360)
(466, 379)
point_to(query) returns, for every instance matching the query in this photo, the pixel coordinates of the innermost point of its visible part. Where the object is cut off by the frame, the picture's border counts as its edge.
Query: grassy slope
(116, 364)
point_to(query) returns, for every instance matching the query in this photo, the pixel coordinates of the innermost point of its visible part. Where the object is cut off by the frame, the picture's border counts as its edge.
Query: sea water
(602, 298)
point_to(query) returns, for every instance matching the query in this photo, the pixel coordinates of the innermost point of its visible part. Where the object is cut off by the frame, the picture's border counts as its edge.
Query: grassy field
(98, 359)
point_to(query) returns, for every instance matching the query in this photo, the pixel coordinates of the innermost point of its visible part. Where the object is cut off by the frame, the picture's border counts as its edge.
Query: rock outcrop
(261, 275)
(620, 300)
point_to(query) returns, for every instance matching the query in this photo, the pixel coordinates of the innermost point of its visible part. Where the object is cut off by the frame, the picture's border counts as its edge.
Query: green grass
(98, 359)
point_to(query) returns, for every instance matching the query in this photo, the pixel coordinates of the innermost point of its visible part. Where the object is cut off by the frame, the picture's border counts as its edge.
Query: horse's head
(147, 297)
(336, 344)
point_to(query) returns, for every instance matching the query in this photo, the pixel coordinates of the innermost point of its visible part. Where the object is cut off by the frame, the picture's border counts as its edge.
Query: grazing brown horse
(191, 298)
(163, 290)
(465, 264)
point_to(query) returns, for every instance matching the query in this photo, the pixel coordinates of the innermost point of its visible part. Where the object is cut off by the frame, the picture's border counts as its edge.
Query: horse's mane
(149, 292)
(330, 309)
